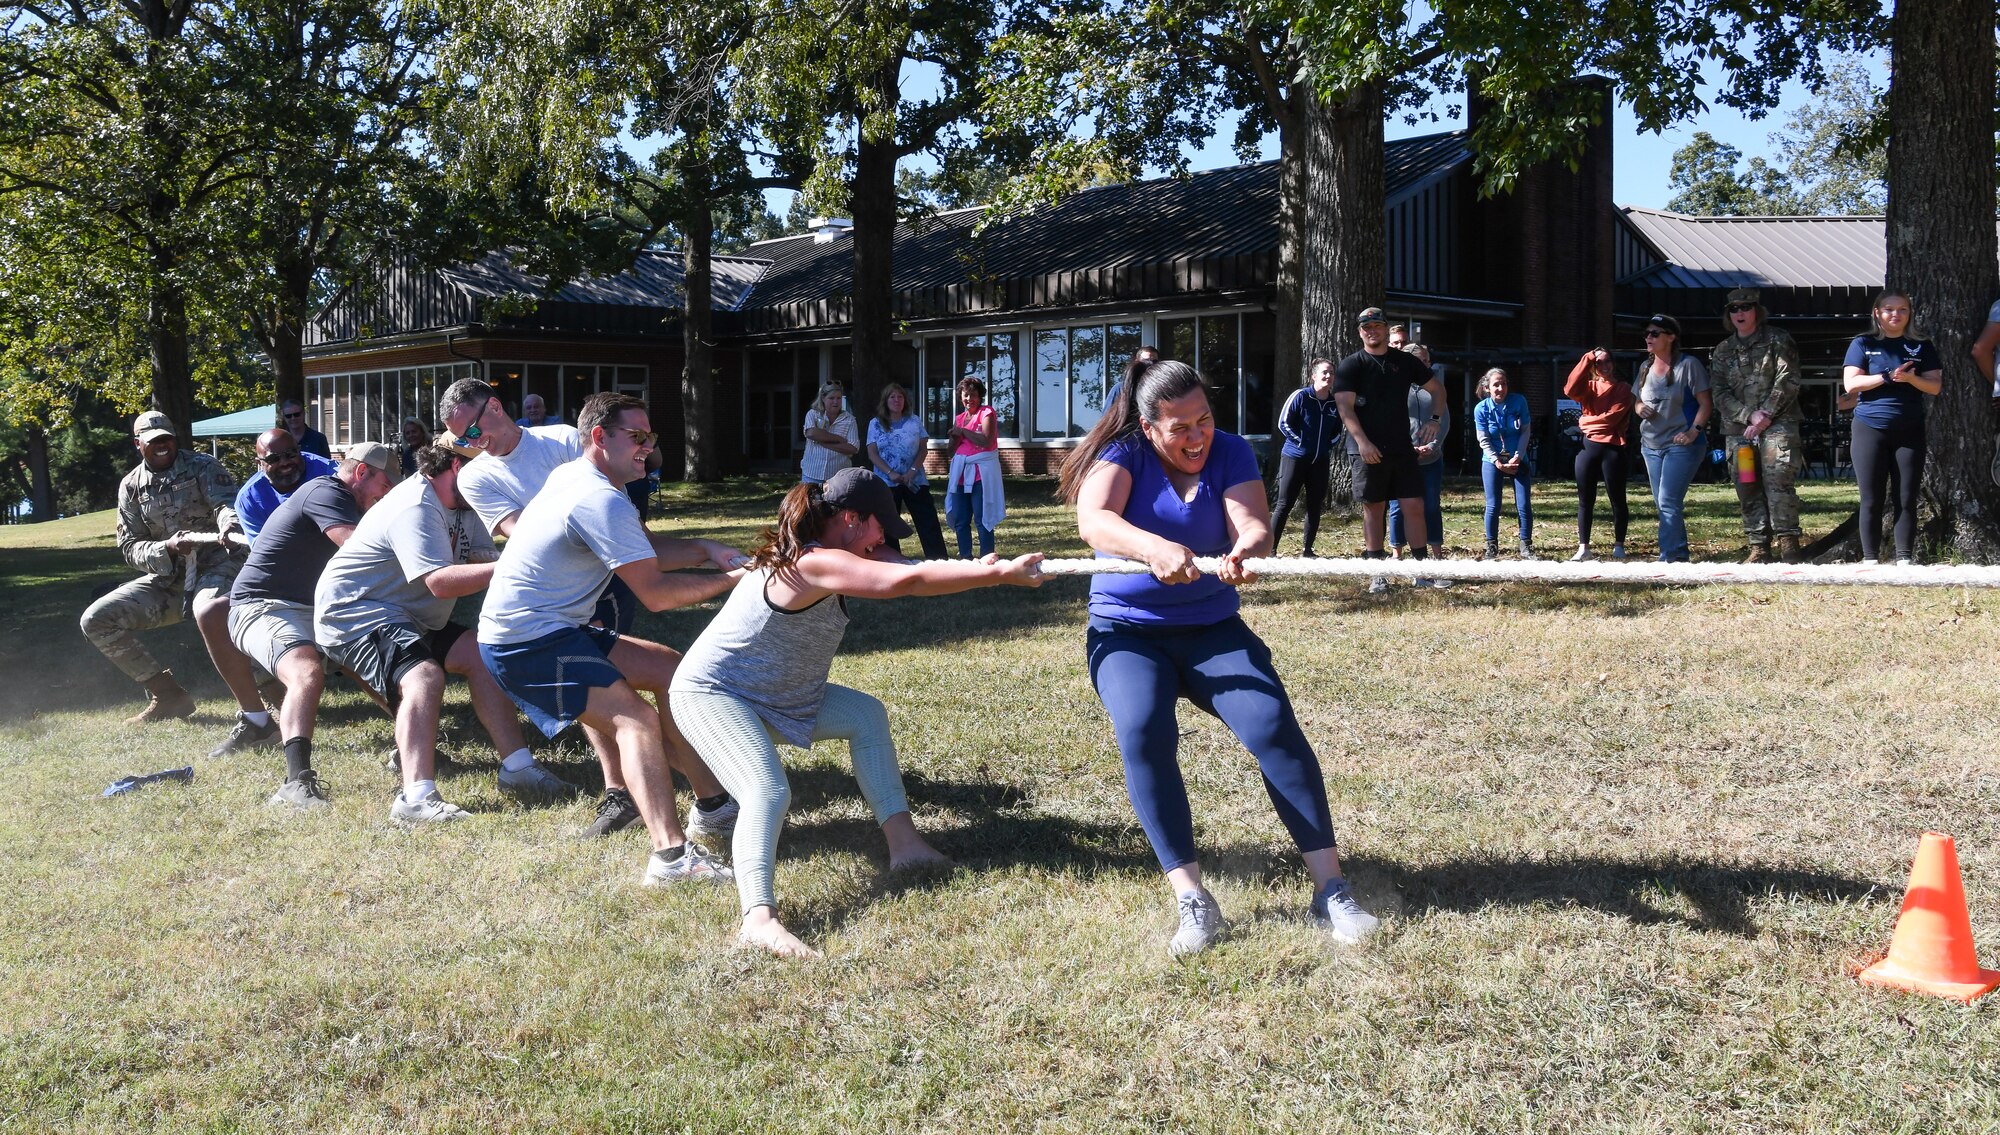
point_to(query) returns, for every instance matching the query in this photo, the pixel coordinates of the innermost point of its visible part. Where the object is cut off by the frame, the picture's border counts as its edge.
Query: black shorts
(1396, 477)
(384, 655)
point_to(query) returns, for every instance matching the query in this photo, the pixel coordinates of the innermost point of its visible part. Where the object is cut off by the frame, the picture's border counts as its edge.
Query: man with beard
(281, 468)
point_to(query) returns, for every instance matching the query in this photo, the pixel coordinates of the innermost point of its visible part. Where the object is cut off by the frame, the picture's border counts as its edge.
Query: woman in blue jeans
(1155, 481)
(1503, 425)
(1430, 460)
(1673, 408)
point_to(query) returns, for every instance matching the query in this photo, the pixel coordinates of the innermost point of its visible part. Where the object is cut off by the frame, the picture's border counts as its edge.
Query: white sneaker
(1340, 916)
(432, 809)
(1438, 584)
(1582, 555)
(1201, 923)
(1902, 561)
(714, 827)
(1871, 563)
(1377, 584)
(536, 781)
(691, 865)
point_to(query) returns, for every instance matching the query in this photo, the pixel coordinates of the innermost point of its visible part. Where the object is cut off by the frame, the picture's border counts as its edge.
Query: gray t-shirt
(1422, 406)
(577, 531)
(498, 487)
(1672, 395)
(774, 659)
(377, 577)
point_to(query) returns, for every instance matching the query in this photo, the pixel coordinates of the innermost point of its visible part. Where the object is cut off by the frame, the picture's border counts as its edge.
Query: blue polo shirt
(257, 500)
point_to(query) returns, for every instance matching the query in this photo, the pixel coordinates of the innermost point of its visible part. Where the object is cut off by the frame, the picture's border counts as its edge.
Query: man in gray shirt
(383, 613)
(536, 637)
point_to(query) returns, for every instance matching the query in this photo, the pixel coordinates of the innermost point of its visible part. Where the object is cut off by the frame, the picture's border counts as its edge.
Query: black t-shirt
(291, 550)
(1381, 388)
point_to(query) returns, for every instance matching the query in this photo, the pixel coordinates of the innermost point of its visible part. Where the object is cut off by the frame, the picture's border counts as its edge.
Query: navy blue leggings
(1140, 671)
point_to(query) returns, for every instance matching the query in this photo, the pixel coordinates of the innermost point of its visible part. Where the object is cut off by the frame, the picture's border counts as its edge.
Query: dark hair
(1135, 364)
(1138, 400)
(882, 403)
(604, 410)
(434, 459)
(464, 392)
(965, 384)
(802, 517)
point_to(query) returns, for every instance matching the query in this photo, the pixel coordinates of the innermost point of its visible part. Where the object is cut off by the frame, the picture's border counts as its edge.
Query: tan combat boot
(165, 700)
(1759, 554)
(1788, 549)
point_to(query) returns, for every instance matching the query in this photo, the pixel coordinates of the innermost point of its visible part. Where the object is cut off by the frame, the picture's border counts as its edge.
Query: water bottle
(1746, 464)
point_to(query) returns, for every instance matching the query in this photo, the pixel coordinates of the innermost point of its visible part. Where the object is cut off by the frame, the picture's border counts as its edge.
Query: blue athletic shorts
(551, 677)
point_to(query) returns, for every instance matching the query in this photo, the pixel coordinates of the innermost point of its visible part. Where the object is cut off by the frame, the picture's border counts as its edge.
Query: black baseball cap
(869, 495)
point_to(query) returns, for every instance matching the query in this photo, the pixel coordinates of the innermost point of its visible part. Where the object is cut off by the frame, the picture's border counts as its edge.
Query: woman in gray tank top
(758, 674)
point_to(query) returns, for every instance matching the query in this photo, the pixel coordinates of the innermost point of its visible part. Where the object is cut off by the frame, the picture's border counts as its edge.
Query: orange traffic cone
(1931, 951)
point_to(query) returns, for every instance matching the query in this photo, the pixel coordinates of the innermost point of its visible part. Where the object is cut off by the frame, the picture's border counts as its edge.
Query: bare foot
(907, 849)
(762, 929)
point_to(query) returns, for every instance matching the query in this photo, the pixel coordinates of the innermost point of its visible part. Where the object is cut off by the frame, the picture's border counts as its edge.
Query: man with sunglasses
(1753, 376)
(536, 635)
(513, 466)
(281, 468)
(292, 419)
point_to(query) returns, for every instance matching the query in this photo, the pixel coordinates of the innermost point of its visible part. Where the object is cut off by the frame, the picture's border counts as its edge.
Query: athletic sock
(711, 803)
(670, 854)
(260, 719)
(517, 760)
(417, 792)
(298, 757)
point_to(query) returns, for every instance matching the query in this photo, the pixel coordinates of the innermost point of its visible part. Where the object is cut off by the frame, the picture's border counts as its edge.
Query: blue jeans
(968, 511)
(1433, 508)
(1524, 510)
(1141, 671)
(1670, 470)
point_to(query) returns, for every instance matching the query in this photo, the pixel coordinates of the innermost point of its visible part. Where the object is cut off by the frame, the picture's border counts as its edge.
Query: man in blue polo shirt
(281, 468)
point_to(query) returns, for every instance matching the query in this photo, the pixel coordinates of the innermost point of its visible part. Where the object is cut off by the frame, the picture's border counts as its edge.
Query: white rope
(1590, 571)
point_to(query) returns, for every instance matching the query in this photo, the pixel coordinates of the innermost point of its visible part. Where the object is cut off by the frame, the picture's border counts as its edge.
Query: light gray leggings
(742, 752)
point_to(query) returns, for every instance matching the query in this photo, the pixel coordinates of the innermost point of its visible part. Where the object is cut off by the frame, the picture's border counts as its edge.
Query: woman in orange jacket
(1606, 424)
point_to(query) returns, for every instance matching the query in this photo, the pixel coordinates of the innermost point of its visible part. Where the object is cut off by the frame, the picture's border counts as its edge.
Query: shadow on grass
(1719, 893)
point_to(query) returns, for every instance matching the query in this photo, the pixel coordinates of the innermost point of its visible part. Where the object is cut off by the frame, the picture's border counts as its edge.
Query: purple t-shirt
(1201, 524)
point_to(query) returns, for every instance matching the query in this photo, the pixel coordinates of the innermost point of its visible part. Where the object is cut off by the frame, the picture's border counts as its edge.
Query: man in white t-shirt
(382, 612)
(537, 639)
(513, 465)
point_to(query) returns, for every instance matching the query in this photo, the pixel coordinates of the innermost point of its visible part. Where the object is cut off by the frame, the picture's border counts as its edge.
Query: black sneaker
(244, 736)
(615, 813)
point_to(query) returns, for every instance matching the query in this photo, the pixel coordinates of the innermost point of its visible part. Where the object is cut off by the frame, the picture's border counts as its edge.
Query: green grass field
(1628, 843)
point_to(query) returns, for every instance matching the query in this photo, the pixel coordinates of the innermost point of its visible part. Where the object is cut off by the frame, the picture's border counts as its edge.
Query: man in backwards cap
(170, 498)
(1753, 376)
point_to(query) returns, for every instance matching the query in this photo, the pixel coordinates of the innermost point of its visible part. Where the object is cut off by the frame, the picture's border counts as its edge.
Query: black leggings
(1881, 455)
(1295, 473)
(1600, 460)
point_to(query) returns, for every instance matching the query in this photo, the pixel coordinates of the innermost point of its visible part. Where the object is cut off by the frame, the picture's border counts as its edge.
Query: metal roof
(654, 280)
(1761, 252)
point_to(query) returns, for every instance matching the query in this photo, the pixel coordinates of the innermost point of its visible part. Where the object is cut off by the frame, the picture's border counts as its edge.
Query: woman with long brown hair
(757, 675)
(1156, 482)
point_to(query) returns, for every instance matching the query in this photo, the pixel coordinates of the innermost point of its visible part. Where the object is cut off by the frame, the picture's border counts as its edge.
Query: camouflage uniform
(1747, 374)
(194, 494)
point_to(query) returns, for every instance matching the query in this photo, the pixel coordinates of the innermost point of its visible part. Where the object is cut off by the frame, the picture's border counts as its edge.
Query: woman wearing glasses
(1674, 409)
(1890, 370)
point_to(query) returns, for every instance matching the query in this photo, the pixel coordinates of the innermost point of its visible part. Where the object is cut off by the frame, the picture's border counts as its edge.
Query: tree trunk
(167, 335)
(1941, 245)
(283, 335)
(166, 301)
(1345, 243)
(699, 460)
(1288, 364)
(872, 200)
(41, 495)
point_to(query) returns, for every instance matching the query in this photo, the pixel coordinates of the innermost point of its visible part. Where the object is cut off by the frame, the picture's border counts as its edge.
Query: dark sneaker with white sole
(244, 736)
(615, 813)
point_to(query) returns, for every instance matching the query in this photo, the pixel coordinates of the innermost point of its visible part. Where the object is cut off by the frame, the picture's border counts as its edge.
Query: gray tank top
(776, 660)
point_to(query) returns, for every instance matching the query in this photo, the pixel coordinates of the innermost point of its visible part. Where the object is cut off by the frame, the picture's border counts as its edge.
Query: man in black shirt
(271, 605)
(1372, 389)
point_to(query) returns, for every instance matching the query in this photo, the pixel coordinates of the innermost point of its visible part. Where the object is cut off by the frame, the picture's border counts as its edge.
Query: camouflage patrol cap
(1371, 315)
(152, 425)
(1745, 295)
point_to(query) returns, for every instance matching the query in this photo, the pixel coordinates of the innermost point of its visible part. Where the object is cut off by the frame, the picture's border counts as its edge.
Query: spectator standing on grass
(1372, 387)
(535, 412)
(1310, 423)
(281, 468)
(1154, 481)
(896, 447)
(832, 437)
(292, 418)
(1891, 369)
(1606, 426)
(757, 675)
(1424, 407)
(1754, 380)
(416, 435)
(974, 496)
(1673, 408)
(536, 636)
(1505, 429)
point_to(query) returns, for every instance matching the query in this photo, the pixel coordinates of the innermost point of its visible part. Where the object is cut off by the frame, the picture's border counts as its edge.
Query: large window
(371, 405)
(992, 359)
(1234, 352)
(565, 386)
(1074, 368)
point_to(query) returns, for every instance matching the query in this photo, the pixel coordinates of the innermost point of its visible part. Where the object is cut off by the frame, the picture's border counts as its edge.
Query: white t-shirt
(377, 577)
(498, 487)
(565, 546)
(821, 462)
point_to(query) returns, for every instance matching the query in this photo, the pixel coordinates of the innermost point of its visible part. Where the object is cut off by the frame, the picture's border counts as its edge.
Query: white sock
(517, 760)
(415, 793)
(260, 719)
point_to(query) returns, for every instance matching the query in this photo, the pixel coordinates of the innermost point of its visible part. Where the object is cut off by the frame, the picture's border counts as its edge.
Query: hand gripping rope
(1550, 571)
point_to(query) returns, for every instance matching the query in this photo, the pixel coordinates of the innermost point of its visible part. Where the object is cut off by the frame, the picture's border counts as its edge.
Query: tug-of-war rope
(1590, 571)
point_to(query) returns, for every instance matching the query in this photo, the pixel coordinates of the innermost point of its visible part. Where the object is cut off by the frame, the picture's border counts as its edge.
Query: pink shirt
(978, 421)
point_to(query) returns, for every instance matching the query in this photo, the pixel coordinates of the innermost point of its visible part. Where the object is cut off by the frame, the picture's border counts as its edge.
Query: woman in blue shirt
(1503, 425)
(1890, 370)
(896, 445)
(1156, 482)
(1311, 425)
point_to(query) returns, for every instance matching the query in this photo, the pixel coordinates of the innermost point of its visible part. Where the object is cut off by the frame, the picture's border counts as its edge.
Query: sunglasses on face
(1740, 308)
(278, 458)
(1656, 333)
(644, 439)
(291, 414)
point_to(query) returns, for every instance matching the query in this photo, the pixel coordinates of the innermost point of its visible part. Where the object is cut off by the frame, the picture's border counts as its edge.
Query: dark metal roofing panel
(654, 280)
(1769, 252)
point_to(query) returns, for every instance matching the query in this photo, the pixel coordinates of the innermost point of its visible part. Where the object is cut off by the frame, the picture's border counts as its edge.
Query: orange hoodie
(1606, 402)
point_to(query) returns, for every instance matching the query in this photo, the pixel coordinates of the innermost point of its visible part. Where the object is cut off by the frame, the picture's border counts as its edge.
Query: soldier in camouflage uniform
(1754, 378)
(170, 496)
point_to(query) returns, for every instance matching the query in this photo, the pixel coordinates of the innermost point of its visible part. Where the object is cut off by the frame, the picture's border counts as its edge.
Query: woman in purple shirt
(1155, 481)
